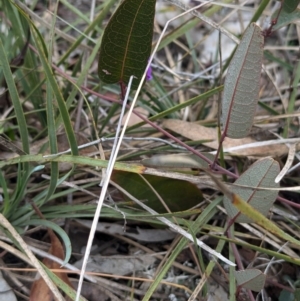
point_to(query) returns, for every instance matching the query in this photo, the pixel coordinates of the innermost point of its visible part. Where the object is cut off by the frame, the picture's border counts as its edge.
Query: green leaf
(241, 87)
(290, 5)
(286, 296)
(261, 174)
(252, 279)
(178, 195)
(286, 18)
(126, 42)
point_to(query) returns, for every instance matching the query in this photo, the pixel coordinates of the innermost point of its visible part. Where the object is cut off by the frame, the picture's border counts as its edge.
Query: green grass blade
(259, 11)
(51, 122)
(6, 200)
(62, 285)
(14, 98)
(293, 98)
(62, 234)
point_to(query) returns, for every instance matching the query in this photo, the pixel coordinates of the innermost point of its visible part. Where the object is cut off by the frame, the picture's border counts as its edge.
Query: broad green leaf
(286, 18)
(241, 87)
(177, 161)
(261, 220)
(290, 5)
(252, 279)
(286, 296)
(178, 195)
(261, 174)
(126, 42)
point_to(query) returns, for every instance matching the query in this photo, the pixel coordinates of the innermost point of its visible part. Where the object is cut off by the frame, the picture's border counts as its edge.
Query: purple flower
(149, 74)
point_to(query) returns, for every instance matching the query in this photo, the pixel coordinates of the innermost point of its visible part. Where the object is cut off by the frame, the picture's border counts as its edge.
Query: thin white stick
(294, 188)
(273, 258)
(288, 163)
(259, 144)
(92, 11)
(100, 202)
(294, 167)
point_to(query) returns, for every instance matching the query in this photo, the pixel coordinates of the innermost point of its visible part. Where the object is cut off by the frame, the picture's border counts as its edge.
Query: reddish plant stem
(283, 200)
(123, 90)
(266, 33)
(284, 287)
(218, 151)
